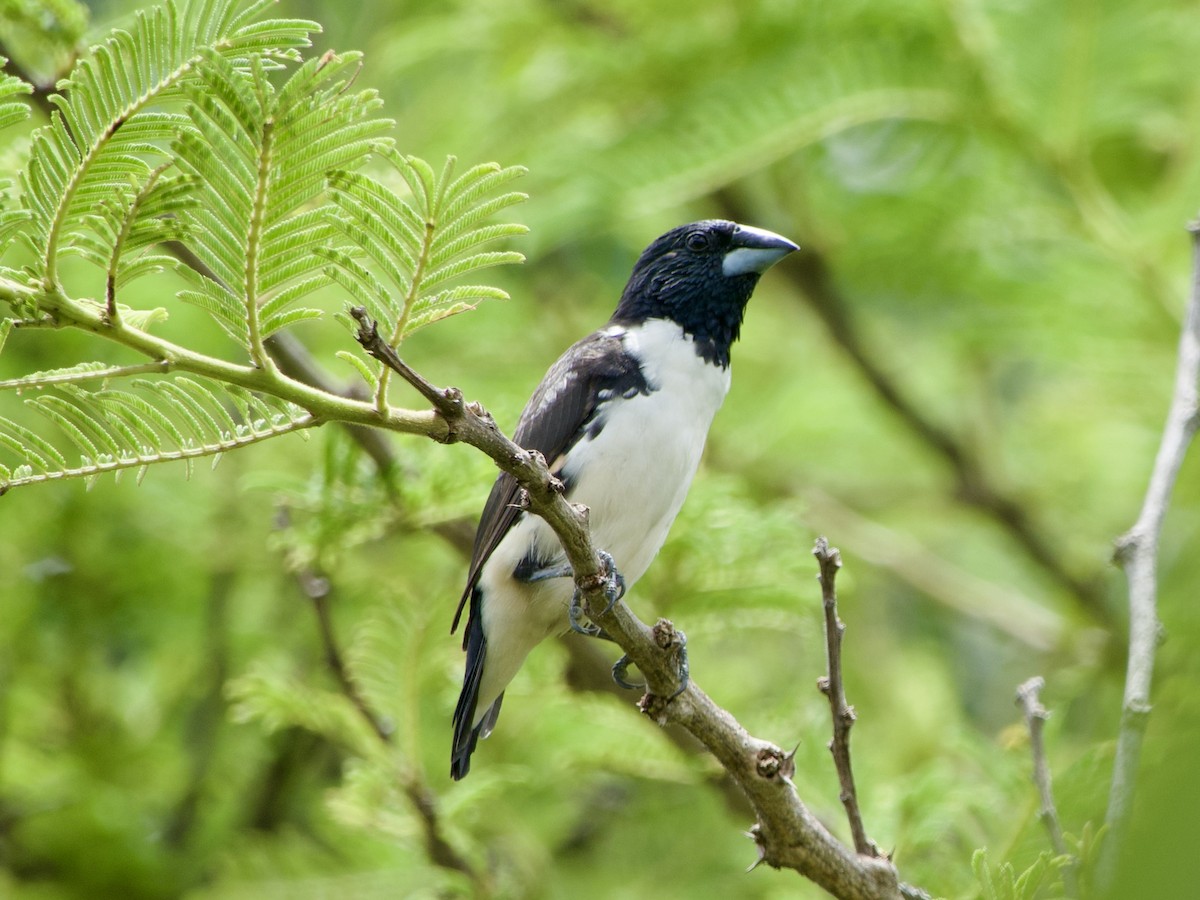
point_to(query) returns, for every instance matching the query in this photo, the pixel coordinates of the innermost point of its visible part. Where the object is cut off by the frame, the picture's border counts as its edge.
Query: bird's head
(701, 276)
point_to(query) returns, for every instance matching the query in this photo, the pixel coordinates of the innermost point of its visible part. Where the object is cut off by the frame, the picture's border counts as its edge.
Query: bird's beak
(754, 251)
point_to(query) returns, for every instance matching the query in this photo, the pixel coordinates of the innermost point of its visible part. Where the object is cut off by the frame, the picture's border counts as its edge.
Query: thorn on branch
(774, 763)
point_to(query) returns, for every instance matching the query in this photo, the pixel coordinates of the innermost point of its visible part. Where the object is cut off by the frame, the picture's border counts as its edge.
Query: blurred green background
(961, 381)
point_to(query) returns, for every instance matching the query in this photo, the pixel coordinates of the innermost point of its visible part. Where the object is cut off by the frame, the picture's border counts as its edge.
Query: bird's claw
(621, 666)
(575, 614)
(614, 590)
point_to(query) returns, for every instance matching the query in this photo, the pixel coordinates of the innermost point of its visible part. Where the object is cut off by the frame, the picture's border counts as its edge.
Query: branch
(324, 406)
(811, 276)
(316, 587)
(1035, 720)
(1137, 553)
(787, 833)
(447, 402)
(441, 852)
(831, 686)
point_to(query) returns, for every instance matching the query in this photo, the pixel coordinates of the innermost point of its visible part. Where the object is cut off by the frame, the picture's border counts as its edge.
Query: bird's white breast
(633, 476)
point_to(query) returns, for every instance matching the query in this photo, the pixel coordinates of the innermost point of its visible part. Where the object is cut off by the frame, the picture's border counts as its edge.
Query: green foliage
(996, 191)
(193, 128)
(1003, 883)
(11, 109)
(423, 243)
(166, 420)
(103, 138)
(261, 157)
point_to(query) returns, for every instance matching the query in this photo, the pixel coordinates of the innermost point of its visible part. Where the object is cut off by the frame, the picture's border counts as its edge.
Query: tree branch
(317, 589)
(447, 402)
(1035, 721)
(787, 833)
(1137, 553)
(441, 852)
(831, 685)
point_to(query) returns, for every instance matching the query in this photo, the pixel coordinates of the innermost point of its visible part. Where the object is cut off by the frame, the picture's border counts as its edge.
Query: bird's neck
(713, 320)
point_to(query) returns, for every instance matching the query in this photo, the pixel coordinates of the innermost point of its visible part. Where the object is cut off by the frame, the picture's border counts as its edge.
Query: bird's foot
(668, 639)
(620, 667)
(614, 590)
(575, 617)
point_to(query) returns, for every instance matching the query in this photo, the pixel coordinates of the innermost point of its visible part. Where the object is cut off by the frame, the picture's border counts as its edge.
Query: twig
(440, 851)
(787, 833)
(1035, 720)
(316, 587)
(831, 685)
(810, 274)
(1137, 553)
(448, 402)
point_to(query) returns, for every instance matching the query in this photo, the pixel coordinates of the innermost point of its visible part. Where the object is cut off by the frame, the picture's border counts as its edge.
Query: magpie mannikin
(621, 418)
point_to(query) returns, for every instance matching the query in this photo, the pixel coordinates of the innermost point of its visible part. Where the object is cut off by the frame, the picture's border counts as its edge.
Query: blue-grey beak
(754, 251)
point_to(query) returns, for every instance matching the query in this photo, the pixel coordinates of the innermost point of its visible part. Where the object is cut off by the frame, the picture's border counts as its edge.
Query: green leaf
(102, 127)
(414, 246)
(12, 110)
(155, 421)
(361, 366)
(272, 151)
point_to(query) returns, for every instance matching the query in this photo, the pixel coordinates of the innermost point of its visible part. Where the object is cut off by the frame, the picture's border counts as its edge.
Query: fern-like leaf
(124, 227)
(414, 246)
(261, 157)
(157, 421)
(12, 110)
(103, 139)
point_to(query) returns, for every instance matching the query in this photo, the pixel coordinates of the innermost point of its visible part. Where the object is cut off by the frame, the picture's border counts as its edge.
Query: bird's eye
(697, 240)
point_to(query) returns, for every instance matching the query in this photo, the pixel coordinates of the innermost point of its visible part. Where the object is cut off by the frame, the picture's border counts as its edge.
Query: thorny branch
(1137, 553)
(787, 833)
(831, 685)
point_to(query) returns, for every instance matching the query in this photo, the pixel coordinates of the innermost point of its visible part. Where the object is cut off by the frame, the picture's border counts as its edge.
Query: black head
(701, 276)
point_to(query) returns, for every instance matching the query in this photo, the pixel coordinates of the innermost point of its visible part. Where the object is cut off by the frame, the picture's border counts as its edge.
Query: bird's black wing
(561, 410)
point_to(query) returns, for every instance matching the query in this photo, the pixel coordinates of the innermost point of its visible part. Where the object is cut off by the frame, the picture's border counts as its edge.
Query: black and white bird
(621, 418)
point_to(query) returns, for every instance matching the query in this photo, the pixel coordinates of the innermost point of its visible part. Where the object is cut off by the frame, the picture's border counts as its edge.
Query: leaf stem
(253, 242)
(323, 406)
(410, 297)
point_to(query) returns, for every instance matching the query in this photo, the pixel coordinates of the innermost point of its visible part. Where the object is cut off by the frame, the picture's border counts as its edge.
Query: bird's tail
(466, 733)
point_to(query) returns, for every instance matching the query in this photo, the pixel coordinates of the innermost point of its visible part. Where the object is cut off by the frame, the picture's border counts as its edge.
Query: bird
(621, 419)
